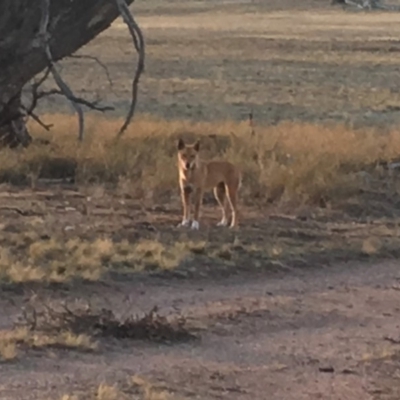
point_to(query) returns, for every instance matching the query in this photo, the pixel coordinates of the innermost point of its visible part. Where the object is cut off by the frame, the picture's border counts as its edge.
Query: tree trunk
(13, 130)
(73, 23)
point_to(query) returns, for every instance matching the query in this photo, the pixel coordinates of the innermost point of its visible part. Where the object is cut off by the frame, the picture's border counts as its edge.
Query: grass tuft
(292, 162)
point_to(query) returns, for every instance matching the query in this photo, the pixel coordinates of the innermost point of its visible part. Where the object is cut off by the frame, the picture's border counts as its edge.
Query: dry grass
(291, 68)
(150, 391)
(22, 339)
(208, 61)
(291, 165)
(281, 24)
(54, 261)
(8, 349)
(29, 258)
(108, 392)
(295, 162)
(381, 353)
(137, 388)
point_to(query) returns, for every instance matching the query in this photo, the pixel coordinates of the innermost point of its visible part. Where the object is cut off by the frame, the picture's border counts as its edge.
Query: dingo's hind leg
(232, 195)
(220, 196)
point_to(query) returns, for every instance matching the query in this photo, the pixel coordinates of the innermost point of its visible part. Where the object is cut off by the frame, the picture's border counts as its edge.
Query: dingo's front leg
(198, 197)
(186, 192)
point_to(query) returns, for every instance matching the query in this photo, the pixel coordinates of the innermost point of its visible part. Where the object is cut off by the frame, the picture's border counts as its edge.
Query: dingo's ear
(197, 145)
(181, 144)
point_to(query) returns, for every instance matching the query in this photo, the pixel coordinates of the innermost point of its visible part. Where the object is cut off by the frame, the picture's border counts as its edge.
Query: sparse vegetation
(295, 163)
(84, 322)
(136, 388)
(29, 257)
(8, 348)
(22, 339)
(45, 326)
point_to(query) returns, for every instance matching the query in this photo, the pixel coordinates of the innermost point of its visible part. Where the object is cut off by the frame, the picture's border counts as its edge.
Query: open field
(300, 303)
(284, 61)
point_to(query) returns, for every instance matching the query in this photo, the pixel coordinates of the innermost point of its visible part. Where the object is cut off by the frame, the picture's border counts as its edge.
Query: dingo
(197, 176)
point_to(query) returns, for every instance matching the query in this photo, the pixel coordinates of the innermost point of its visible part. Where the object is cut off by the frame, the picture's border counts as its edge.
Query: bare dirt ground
(275, 315)
(327, 334)
(297, 304)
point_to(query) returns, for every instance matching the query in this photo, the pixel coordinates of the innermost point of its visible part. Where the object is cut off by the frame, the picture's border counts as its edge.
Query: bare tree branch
(77, 100)
(36, 96)
(25, 29)
(36, 118)
(138, 41)
(43, 42)
(44, 34)
(34, 88)
(93, 58)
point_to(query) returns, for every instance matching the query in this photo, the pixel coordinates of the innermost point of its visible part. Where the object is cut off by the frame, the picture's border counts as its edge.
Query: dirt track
(266, 337)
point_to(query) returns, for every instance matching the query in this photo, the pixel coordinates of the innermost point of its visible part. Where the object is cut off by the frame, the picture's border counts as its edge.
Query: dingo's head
(188, 155)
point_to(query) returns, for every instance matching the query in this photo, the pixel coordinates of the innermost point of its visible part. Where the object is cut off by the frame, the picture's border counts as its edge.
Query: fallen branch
(366, 4)
(139, 44)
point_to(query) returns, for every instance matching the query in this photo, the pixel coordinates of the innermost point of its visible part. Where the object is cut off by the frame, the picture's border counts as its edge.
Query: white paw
(185, 223)
(223, 222)
(195, 225)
